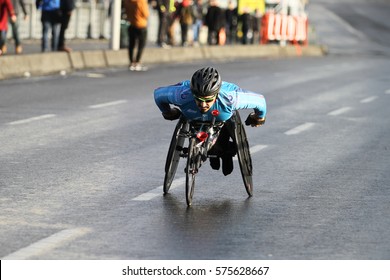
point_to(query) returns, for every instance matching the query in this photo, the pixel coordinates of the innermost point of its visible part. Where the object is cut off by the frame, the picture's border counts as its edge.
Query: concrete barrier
(33, 64)
(14, 66)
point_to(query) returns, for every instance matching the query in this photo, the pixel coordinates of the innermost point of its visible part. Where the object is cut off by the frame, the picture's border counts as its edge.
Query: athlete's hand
(174, 114)
(254, 121)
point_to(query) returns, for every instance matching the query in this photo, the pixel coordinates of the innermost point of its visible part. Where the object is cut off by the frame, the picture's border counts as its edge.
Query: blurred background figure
(231, 15)
(51, 20)
(255, 24)
(186, 18)
(6, 11)
(137, 13)
(164, 17)
(197, 10)
(174, 22)
(15, 25)
(67, 7)
(214, 21)
(245, 20)
(293, 7)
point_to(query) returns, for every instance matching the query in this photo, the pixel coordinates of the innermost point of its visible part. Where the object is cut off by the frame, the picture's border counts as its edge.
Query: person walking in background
(6, 10)
(213, 21)
(255, 24)
(51, 19)
(231, 15)
(15, 26)
(137, 12)
(67, 6)
(164, 15)
(174, 19)
(186, 18)
(197, 10)
(245, 19)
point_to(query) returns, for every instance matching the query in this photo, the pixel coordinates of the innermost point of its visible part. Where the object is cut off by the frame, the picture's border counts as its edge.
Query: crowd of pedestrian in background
(222, 25)
(200, 22)
(55, 17)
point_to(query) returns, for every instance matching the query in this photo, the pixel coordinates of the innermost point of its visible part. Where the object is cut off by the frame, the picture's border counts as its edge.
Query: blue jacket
(230, 98)
(48, 5)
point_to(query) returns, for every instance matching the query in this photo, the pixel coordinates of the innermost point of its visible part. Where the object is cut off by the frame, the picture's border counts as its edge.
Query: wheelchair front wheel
(193, 164)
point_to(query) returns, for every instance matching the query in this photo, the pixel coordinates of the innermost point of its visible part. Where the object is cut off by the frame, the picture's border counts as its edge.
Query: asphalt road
(82, 159)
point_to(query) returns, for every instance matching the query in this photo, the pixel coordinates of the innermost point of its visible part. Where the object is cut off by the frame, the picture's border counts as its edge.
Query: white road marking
(387, 91)
(113, 103)
(38, 118)
(254, 149)
(368, 99)
(299, 128)
(95, 75)
(257, 148)
(158, 191)
(47, 244)
(339, 111)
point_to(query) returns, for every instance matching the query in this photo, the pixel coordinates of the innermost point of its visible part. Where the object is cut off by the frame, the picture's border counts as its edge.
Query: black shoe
(227, 165)
(215, 163)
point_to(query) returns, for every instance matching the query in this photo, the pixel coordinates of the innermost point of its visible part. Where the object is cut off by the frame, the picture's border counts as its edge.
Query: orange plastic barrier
(279, 27)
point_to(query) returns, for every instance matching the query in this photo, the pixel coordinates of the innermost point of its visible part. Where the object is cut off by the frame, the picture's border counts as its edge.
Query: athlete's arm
(168, 95)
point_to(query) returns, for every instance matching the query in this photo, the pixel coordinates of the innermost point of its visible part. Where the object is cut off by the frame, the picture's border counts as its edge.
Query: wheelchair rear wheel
(243, 153)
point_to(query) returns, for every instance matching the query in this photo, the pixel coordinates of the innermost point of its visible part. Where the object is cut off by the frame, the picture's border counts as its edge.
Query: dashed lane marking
(368, 99)
(107, 104)
(339, 111)
(37, 118)
(95, 75)
(47, 244)
(300, 128)
(158, 191)
(254, 149)
(257, 148)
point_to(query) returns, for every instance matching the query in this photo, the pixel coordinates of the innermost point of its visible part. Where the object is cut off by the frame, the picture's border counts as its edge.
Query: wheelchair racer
(196, 99)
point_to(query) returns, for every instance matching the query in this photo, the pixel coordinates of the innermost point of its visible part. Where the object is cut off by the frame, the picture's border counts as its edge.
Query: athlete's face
(204, 103)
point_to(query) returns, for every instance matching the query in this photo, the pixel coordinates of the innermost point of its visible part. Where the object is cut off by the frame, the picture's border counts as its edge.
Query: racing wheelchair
(193, 140)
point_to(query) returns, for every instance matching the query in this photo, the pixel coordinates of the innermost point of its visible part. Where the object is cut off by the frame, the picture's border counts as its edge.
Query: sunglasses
(207, 100)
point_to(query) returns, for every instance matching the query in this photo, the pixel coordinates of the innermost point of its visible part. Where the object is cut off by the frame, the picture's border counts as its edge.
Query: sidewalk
(31, 46)
(94, 53)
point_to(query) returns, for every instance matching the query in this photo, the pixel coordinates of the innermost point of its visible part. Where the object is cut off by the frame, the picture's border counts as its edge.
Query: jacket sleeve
(251, 100)
(168, 95)
(145, 9)
(23, 6)
(10, 8)
(38, 4)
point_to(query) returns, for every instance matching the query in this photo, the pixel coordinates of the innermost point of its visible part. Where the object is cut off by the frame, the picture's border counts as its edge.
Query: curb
(16, 66)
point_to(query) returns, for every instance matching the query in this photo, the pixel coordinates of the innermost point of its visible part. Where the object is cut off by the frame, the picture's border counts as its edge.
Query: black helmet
(206, 82)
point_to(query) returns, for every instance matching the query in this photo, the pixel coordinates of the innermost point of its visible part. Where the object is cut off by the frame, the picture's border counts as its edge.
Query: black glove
(174, 114)
(254, 120)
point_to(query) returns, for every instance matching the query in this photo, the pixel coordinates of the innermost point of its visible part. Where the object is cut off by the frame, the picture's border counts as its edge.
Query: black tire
(244, 155)
(193, 163)
(173, 156)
